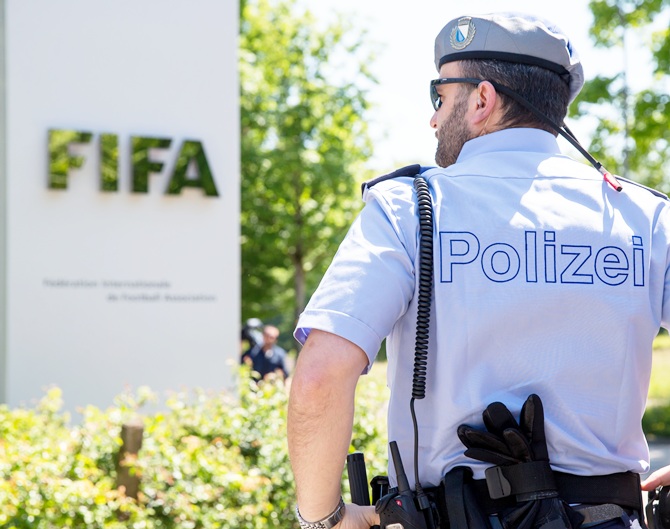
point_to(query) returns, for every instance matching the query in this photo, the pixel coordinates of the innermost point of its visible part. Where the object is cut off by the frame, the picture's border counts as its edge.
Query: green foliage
(214, 461)
(632, 136)
(656, 420)
(208, 460)
(55, 476)
(304, 142)
(659, 388)
(369, 433)
(611, 17)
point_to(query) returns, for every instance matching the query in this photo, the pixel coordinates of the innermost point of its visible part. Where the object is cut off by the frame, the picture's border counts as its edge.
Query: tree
(632, 137)
(304, 143)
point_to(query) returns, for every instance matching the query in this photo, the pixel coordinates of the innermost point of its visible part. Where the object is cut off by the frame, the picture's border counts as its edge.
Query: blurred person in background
(266, 357)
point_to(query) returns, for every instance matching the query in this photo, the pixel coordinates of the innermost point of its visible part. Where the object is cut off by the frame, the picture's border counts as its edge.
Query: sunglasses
(435, 98)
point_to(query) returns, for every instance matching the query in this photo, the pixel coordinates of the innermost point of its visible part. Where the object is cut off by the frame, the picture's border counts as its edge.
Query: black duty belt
(622, 489)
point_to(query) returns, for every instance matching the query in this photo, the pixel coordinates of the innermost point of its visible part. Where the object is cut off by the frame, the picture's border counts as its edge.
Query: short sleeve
(371, 279)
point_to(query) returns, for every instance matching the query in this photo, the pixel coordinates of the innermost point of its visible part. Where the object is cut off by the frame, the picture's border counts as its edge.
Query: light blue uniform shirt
(546, 280)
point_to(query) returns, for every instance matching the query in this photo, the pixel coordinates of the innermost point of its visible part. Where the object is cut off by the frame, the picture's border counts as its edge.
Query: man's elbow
(328, 368)
(310, 384)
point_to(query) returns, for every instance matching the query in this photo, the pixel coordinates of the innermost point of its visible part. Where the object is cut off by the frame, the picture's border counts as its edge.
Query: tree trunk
(300, 287)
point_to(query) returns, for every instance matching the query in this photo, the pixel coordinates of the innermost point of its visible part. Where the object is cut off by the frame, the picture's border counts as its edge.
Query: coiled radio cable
(425, 253)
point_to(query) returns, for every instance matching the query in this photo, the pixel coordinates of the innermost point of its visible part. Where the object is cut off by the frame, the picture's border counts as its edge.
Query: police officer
(550, 279)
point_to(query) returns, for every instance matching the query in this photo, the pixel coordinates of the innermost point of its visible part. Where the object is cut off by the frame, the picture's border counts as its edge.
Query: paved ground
(660, 454)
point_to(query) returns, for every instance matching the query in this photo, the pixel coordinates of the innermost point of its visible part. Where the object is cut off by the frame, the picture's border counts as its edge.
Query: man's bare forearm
(320, 418)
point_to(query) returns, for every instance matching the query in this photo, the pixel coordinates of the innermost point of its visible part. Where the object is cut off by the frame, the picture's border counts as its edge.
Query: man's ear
(486, 98)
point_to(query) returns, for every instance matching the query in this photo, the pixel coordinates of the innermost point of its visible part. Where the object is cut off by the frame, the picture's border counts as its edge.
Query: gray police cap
(512, 37)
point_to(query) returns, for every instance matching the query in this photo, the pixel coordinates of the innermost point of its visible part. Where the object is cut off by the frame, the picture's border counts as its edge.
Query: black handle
(358, 479)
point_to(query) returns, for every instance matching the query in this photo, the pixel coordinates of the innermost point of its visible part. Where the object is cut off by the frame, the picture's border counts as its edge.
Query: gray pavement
(659, 452)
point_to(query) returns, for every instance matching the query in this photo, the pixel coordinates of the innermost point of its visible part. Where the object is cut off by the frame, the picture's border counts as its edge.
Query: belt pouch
(457, 498)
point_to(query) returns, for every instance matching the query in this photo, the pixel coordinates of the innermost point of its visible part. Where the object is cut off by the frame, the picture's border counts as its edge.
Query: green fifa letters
(142, 164)
(60, 159)
(109, 162)
(192, 151)
(191, 168)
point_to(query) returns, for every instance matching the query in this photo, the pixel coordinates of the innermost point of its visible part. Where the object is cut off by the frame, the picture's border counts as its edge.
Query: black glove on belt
(518, 451)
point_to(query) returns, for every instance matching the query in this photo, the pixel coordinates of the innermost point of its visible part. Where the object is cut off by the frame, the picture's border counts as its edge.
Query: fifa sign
(119, 194)
(191, 154)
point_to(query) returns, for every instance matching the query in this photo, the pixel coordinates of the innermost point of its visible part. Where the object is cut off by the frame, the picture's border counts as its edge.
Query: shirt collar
(516, 139)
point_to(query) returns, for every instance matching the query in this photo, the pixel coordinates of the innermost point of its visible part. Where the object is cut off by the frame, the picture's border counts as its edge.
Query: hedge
(208, 460)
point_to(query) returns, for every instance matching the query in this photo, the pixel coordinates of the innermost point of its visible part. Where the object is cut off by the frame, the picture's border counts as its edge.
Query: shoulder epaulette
(409, 170)
(650, 189)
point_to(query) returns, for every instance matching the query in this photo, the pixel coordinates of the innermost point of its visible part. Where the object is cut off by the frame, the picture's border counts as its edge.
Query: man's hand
(657, 479)
(358, 517)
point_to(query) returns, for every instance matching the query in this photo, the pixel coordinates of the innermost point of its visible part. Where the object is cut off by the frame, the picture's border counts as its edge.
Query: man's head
(270, 335)
(522, 53)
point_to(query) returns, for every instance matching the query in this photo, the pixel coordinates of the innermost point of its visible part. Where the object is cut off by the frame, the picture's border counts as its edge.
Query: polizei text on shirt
(541, 258)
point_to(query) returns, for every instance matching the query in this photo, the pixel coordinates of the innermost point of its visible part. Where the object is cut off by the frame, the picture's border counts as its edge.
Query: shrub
(56, 476)
(207, 460)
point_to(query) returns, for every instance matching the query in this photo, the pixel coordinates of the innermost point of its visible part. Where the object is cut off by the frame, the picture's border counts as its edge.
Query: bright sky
(406, 32)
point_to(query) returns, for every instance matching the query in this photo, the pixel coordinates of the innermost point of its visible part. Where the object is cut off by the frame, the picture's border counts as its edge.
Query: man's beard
(452, 135)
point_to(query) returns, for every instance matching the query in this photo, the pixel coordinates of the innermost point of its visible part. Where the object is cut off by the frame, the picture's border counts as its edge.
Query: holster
(658, 508)
(456, 498)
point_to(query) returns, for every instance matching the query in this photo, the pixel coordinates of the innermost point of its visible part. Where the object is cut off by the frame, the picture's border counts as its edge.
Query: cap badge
(463, 33)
